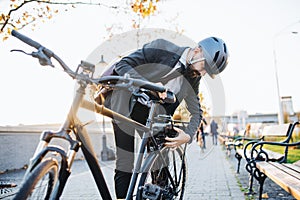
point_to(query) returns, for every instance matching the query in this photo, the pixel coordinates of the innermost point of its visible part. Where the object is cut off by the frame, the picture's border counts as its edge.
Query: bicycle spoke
(169, 178)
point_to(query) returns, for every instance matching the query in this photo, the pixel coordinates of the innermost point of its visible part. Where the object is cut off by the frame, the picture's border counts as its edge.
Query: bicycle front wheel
(165, 177)
(39, 183)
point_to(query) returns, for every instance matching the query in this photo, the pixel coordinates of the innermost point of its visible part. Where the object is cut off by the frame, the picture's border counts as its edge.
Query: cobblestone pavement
(211, 175)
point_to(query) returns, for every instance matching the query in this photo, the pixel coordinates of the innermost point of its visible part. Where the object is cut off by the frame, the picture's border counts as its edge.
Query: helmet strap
(190, 61)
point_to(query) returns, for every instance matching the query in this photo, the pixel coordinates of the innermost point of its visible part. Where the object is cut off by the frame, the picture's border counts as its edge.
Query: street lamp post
(280, 110)
(106, 153)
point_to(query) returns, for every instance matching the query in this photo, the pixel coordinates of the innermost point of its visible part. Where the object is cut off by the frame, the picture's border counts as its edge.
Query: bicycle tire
(155, 175)
(34, 186)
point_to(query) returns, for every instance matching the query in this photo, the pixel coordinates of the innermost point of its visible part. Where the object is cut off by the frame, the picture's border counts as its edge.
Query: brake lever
(19, 50)
(43, 59)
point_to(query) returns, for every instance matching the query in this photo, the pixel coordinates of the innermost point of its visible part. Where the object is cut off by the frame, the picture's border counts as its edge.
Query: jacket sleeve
(194, 107)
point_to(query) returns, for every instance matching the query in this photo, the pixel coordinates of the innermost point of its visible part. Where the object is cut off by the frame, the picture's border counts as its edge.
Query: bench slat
(273, 155)
(297, 163)
(289, 169)
(276, 130)
(281, 175)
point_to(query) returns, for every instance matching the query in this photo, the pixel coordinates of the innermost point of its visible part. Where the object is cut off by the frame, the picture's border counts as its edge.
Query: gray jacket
(152, 63)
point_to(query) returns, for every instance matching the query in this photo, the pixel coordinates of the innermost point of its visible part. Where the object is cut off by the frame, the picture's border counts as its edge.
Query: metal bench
(222, 139)
(287, 176)
(262, 163)
(227, 142)
(242, 151)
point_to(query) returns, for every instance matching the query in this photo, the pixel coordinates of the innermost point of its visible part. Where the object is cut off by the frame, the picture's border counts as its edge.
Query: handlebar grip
(25, 39)
(135, 82)
(148, 85)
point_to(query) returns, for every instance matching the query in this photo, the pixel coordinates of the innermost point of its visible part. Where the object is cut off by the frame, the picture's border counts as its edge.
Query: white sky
(33, 94)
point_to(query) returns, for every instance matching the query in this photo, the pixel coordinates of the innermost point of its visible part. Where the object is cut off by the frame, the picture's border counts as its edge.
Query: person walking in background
(202, 133)
(213, 129)
(200, 137)
(247, 130)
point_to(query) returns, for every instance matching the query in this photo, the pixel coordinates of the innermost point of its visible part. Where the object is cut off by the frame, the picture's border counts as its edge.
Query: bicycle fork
(72, 124)
(66, 158)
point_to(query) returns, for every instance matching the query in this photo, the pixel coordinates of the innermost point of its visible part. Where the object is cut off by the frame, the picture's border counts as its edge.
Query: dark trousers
(215, 138)
(203, 140)
(124, 139)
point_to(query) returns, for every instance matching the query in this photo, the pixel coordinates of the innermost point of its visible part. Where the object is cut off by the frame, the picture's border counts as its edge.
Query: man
(179, 69)
(214, 131)
(200, 135)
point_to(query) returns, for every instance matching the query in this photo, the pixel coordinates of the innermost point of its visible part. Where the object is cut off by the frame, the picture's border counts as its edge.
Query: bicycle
(161, 174)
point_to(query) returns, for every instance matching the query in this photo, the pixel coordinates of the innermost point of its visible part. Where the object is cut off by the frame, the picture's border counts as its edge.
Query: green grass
(293, 154)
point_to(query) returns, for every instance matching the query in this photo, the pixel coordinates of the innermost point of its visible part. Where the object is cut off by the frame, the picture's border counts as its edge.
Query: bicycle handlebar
(31, 42)
(26, 39)
(134, 82)
(148, 85)
(131, 81)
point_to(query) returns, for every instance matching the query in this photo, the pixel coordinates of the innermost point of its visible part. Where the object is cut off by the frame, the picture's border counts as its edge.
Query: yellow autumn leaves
(144, 7)
(20, 15)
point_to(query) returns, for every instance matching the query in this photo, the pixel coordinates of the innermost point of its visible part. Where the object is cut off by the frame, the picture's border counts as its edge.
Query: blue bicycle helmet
(215, 54)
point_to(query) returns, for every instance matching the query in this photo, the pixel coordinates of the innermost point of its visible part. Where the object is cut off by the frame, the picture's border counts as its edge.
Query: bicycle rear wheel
(39, 183)
(157, 184)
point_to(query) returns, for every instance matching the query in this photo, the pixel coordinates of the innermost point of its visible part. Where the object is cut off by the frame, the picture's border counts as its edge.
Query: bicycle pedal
(151, 192)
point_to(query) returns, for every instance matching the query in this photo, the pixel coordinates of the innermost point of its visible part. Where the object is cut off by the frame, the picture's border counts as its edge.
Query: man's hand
(161, 95)
(182, 138)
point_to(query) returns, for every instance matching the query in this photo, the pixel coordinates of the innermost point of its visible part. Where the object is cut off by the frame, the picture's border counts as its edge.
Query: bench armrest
(239, 142)
(249, 144)
(257, 148)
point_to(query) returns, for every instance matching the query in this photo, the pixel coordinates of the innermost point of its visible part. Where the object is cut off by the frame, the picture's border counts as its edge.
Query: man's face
(197, 62)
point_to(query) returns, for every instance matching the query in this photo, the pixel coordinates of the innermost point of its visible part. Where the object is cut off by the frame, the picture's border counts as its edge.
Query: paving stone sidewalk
(210, 176)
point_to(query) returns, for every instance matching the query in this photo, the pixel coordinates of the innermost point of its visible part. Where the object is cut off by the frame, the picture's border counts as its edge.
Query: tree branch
(49, 2)
(76, 3)
(13, 10)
